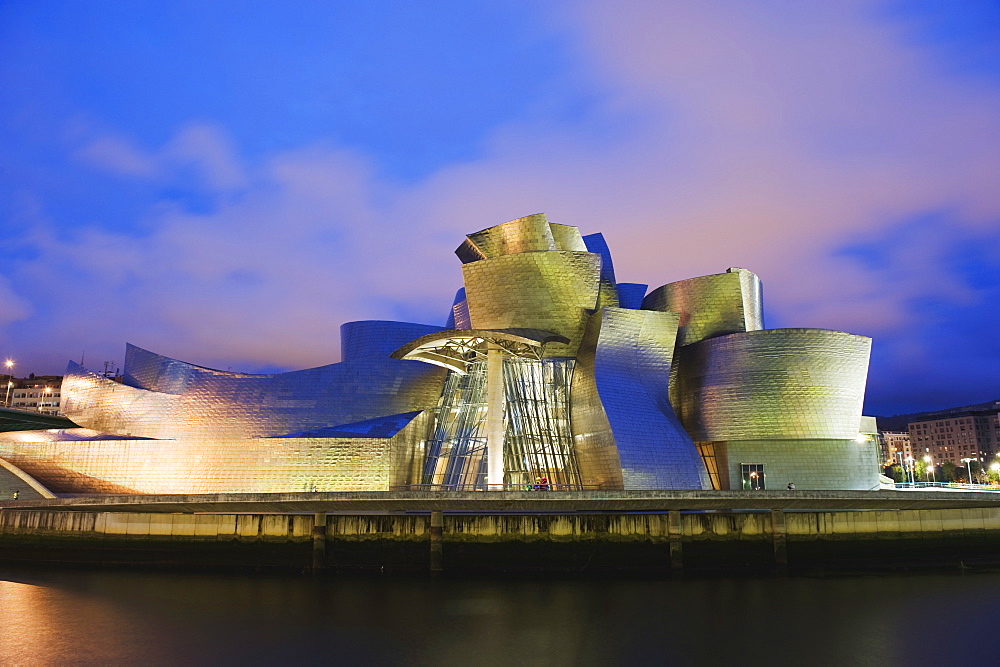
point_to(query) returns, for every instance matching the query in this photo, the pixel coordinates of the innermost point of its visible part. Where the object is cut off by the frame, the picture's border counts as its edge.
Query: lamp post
(968, 467)
(9, 365)
(929, 468)
(995, 467)
(46, 392)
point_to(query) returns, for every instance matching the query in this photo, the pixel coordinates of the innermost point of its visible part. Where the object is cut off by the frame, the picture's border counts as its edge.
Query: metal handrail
(947, 485)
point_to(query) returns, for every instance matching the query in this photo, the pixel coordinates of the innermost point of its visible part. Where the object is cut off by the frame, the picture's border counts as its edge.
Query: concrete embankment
(672, 540)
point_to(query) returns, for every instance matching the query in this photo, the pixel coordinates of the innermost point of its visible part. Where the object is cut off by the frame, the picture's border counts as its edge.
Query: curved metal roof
(454, 349)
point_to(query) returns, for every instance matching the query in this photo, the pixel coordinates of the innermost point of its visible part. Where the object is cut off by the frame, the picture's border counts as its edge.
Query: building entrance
(753, 476)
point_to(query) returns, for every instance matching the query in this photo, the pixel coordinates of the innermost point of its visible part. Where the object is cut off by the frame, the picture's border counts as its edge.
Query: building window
(753, 476)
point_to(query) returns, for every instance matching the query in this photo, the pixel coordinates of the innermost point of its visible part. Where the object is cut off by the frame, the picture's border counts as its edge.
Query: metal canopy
(457, 348)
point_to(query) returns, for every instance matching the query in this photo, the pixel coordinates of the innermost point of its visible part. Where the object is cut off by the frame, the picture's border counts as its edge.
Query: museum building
(548, 371)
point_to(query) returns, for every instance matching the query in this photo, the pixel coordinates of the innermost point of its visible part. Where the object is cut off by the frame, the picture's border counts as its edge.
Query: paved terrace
(516, 501)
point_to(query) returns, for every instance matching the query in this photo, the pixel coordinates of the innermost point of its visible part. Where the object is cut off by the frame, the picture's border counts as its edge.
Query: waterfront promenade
(517, 501)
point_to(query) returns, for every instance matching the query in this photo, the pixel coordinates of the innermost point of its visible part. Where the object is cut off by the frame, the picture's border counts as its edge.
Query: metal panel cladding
(710, 306)
(69, 462)
(628, 356)
(211, 404)
(609, 289)
(368, 339)
(528, 273)
(531, 233)
(773, 384)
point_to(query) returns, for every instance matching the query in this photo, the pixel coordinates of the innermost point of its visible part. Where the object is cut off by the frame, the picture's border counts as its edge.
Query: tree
(936, 473)
(897, 473)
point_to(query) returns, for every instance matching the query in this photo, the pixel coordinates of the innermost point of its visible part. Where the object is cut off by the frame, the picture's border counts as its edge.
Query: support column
(675, 533)
(437, 530)
(494, 417)
(319, 542)
(780, 545)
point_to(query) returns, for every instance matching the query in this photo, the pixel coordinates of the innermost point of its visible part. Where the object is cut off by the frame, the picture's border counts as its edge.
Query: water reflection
(59, 618)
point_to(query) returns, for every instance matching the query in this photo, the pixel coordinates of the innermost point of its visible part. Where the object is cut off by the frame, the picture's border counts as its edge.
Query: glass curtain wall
(538, 441)
(456, 445)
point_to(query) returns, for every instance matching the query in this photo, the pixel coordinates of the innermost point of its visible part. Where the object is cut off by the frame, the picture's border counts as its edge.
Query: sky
(227, 182)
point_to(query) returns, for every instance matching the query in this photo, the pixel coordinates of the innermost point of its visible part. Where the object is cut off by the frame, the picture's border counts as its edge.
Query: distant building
(970, 435)
(896, 446)
(35, 394)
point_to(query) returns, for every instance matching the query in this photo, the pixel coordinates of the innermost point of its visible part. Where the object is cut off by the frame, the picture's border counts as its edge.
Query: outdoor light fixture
(968, 467)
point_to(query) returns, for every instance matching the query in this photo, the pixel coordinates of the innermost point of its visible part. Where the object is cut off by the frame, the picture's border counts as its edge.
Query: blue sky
(228, 182)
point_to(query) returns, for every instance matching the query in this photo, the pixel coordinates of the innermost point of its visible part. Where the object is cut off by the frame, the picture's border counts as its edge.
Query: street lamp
(995, 468)
(47, 392)
(968, 467)
(9, 364)
(929, 469)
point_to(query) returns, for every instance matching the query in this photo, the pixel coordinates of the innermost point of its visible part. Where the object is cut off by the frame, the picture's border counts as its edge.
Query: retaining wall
(655, 541)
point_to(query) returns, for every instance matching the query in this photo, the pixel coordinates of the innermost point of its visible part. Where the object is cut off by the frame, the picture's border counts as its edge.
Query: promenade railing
(947, 485)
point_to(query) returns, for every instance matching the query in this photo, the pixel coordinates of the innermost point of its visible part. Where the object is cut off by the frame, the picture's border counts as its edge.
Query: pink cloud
(748, 135)
(201, 145)
(119, 156)
(12, 306)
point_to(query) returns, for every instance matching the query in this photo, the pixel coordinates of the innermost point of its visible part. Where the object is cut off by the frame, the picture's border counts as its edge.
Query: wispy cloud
(777, 136)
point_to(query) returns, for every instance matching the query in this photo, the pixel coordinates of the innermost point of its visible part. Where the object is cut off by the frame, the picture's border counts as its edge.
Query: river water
(50, 617)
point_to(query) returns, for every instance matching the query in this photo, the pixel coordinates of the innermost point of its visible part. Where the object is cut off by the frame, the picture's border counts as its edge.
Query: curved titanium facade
(791, 383)
(459, 317)
(625, 430)
(369, 339)
(630, 295)
(556, 371)
(710, 306)
(528, 234)
(214, 404)
(529, 273)
(609, 290)
(69, 463)
(782, 403)
(551, 291)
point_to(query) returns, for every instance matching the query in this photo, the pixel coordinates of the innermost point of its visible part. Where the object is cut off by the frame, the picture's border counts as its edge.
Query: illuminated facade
(548, 374)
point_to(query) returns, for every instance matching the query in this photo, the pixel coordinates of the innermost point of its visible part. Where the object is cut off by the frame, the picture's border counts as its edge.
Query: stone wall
(731, 541)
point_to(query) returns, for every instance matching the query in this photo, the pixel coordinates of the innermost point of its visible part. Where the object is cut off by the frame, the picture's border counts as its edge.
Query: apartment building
(971, 435)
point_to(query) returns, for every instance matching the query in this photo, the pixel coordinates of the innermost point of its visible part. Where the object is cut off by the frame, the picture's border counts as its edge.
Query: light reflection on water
(56, 618)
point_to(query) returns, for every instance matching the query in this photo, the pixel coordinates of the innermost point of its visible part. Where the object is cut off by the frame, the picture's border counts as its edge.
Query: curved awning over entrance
(456, 348)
